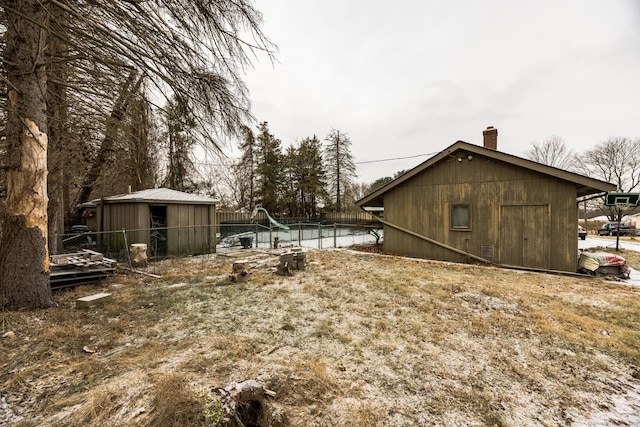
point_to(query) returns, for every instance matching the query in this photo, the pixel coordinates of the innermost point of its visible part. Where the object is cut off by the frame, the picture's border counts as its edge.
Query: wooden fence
(328, 217)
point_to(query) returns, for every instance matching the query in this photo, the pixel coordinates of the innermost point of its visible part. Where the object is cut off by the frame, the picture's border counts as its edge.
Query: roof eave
(585, 185)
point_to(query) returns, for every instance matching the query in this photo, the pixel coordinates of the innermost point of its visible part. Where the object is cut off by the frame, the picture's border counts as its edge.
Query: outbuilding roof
(159, 195)
(585, 185)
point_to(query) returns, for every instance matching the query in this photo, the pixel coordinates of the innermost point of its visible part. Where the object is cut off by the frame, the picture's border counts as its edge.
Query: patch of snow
(595, 242)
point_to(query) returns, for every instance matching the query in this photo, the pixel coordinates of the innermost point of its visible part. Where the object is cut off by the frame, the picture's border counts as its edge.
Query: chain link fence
(167, 242)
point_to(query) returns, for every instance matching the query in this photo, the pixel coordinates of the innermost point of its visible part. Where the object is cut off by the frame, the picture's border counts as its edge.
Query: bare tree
(552, 152)
(340, 165)
(616, 160)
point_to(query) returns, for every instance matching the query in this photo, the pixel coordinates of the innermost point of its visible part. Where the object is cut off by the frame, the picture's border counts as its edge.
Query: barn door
(524, 235)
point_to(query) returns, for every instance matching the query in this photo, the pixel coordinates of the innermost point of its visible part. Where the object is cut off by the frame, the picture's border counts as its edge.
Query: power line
(357, 163)
(396, 158)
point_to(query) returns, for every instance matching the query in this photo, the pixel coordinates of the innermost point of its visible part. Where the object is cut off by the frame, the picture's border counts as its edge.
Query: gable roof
(159, 195)
(585, 185)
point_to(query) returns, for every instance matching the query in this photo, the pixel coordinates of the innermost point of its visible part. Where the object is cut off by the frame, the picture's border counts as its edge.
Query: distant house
(170, 222)
(470, 203)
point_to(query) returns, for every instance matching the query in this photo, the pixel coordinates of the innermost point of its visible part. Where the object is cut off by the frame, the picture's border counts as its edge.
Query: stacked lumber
(80, 267)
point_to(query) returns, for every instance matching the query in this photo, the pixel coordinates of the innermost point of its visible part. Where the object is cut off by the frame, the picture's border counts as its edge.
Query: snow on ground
(341, 239)
(329, 241)
(594, 242)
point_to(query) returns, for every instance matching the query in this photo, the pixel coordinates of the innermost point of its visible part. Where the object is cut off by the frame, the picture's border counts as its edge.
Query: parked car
(582, 233)
(78, 229)
(611, 229)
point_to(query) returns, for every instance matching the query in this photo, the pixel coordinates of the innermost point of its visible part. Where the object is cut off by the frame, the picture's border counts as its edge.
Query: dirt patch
(355, 339)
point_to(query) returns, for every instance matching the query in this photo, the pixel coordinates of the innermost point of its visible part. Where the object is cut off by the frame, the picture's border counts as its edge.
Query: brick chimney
(490, 138)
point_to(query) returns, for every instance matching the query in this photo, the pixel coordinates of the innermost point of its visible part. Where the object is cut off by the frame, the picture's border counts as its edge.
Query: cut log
(138, 253)
(301, 259)
(286, 264)
(290, 261)
(248, 404)
(240, 271)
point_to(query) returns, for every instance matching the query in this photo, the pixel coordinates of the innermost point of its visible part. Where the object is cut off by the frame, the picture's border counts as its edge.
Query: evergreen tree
(290, 166)
(269, 171)
(245, 170)
(180, 142)
(341, 168)
(381, 182)
(311, 175)
(24, 263)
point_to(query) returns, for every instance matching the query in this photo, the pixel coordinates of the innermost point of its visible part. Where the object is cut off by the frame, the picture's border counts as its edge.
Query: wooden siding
(494, 190)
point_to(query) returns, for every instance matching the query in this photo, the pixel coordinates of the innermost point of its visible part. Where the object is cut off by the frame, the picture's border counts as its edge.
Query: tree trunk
(56, 124)
(24, 260)
(130, 88)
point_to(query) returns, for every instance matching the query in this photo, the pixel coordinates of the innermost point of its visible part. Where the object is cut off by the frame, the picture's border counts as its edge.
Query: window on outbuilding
(461, 216)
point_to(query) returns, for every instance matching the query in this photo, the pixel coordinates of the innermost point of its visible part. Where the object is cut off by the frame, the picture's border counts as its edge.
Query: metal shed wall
(191, 227)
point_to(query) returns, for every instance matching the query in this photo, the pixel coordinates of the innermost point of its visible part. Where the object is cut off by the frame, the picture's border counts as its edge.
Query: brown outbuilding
(470, 203)
(170, 222)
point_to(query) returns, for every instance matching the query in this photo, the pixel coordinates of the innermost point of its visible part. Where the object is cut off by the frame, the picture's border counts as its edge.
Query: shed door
(524, 235)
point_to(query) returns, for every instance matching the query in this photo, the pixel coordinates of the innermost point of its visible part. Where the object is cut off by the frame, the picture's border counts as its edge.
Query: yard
(356, 339)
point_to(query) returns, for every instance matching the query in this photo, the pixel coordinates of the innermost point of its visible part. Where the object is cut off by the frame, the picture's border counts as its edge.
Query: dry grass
(356, 339)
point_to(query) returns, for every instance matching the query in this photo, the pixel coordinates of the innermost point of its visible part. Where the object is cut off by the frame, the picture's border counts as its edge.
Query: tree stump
(290, 261)
(138, 254)
(240, 271)
(286, 264)
(301, 259)
(250, 404)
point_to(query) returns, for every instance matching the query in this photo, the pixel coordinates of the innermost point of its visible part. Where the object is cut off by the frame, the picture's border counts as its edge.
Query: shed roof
(159, 195)
(585, 185)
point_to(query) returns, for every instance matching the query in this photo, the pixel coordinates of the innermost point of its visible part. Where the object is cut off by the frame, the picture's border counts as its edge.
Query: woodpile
(80, 267)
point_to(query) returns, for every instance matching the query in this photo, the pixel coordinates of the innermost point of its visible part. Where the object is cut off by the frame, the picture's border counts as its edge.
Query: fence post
(256, 234)
(319, 236)
(335, 244)
(126, 245)
(299, 234)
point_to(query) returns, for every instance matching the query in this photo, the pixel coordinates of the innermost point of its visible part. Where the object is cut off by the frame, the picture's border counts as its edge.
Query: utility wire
(357, 163)
(396, 158)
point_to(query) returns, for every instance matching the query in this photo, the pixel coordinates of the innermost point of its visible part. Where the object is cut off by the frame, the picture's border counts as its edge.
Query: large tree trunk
(140, 169)
(57, 121)
(101, 160)
(24, 260)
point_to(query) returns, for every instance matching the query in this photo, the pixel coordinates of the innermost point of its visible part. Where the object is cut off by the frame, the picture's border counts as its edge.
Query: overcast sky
(407, 78)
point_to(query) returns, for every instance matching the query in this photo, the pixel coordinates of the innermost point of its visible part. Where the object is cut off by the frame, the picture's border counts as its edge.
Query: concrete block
(91, 300)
